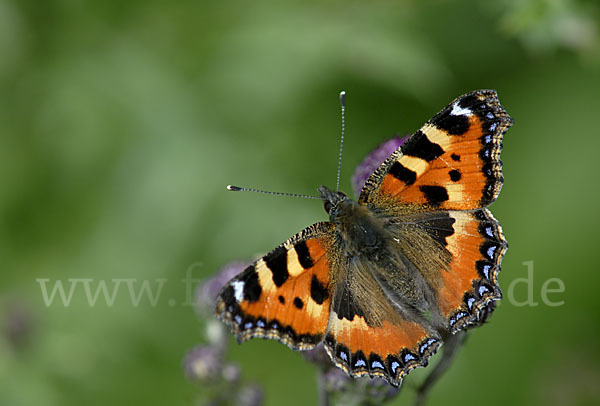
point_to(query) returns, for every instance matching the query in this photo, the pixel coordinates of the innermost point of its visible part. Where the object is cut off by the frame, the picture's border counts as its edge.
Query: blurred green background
(122, 122)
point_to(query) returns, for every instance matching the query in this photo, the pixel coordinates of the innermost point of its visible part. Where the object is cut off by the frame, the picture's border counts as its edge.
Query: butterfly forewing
(452, 162)
(284, 295)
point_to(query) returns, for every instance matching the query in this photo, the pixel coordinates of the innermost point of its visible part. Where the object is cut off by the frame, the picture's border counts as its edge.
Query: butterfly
(387, 278)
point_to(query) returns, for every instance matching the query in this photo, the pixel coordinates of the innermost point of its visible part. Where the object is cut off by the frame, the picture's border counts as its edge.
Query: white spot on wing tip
(238, 290)
(460, 111)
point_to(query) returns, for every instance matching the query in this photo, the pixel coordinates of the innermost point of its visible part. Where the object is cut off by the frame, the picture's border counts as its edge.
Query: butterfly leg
(451, 346)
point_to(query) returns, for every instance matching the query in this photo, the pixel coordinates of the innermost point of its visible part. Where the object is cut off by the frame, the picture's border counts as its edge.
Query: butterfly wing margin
(452, 162)
(284, 295)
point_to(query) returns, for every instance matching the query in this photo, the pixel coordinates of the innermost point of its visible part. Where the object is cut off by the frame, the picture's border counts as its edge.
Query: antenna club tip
(343, 97)
(234, 188)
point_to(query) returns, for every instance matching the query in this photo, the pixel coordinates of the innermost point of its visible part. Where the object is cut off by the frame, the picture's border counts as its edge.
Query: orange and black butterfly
(388, 277)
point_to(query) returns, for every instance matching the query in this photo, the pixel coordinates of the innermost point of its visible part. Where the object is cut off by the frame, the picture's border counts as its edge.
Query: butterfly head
(335, 203)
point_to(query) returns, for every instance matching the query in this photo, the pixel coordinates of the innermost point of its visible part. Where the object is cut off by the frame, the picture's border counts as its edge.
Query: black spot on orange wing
(454, 125)
(458, 124)
(303, 255)
(346, 306)
(435, 195)
(455, 157)
(455, 175)
(298, 302)
(252, 288)
(402, 173)
(277, 262)
(420, 146)
(318, 292)
(440, 227)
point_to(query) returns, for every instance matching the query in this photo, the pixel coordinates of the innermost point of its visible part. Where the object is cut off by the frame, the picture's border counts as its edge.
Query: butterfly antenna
(266, 192)
(339, 169)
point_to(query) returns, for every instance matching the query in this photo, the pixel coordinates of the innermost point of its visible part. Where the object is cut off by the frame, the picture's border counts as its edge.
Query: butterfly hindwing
(388, 349)
(285, 294)
(452, 162)
(469, 283)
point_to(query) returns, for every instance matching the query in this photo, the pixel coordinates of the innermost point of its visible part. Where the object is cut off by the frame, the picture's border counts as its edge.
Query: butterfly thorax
(371, 254)
(360, 231)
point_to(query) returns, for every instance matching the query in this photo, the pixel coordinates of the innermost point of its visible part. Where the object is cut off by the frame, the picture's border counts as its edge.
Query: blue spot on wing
(426, 345)
(470, 303)
(486, 271)
(376, 364)
(491, 250)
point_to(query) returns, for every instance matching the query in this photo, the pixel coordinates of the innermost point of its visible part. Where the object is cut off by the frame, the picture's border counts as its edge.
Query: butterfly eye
(327, 206)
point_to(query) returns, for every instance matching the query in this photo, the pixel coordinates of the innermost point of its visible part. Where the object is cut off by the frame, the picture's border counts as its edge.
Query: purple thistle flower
(319, 357)
(202, 363)
(372, 161)
(18, 324)
(377, 388)
(231, 373)
(250, 395)
(336, 380)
